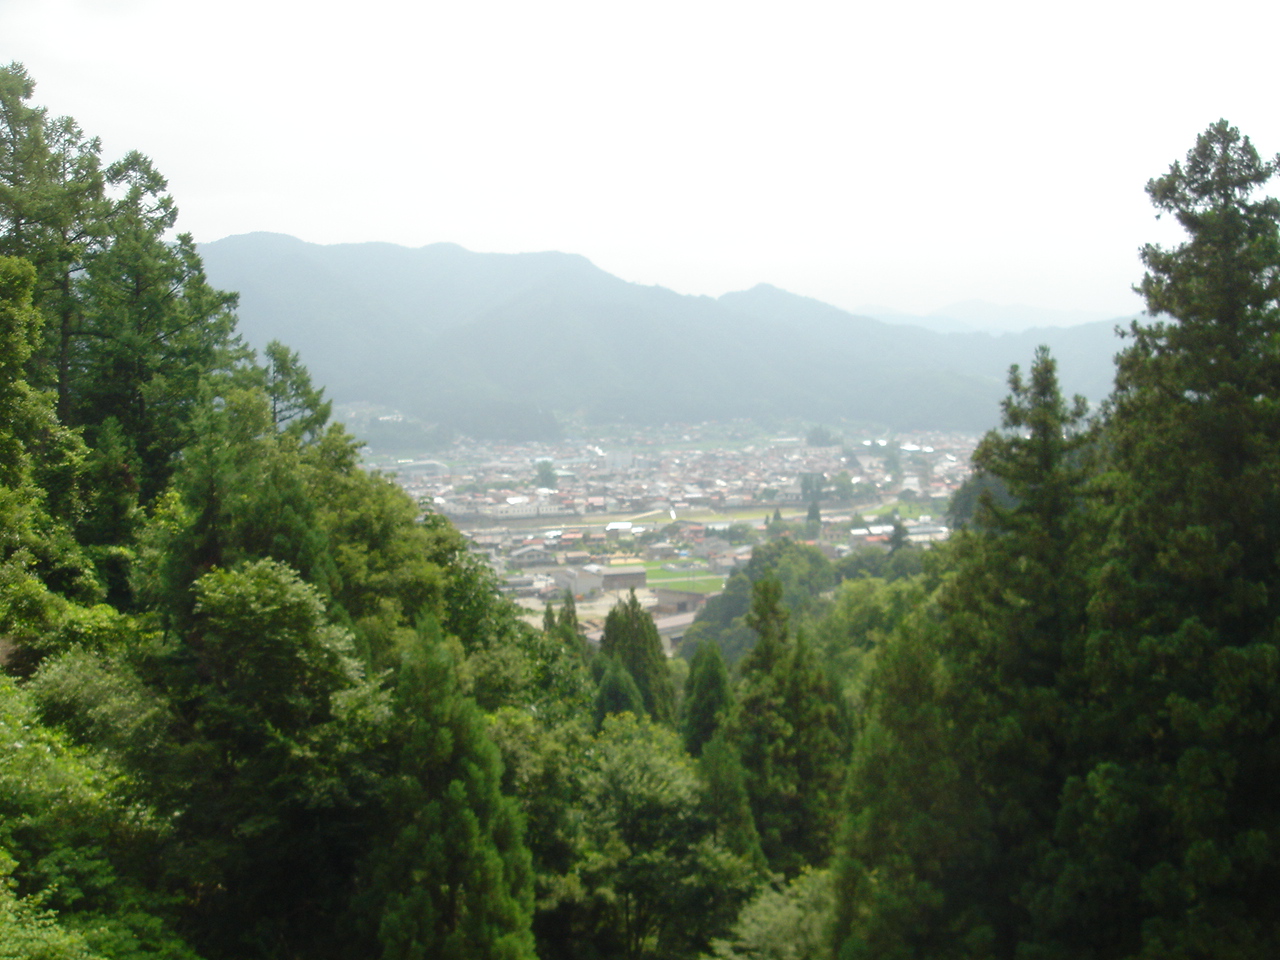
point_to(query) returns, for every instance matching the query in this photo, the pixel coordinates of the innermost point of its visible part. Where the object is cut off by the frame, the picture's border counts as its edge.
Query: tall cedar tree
(966, 740)
(153, 328)
(790, 730)
(631, 637)
(451, 879)
(54, 213)
(1170, 835)
(617, 693)
(708, 697)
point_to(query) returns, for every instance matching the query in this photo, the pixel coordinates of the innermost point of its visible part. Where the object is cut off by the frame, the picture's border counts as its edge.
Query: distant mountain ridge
(979, 316)
(498, 344)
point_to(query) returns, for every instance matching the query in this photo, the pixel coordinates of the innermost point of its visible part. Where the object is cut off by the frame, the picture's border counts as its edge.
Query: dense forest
(257, 703)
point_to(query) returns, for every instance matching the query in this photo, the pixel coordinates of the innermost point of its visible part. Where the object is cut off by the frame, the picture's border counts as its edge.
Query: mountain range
(506, 345)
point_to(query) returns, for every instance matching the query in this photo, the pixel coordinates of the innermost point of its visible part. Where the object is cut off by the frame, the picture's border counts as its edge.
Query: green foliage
(240, 494)
(72, 848)
(727, 803)
(38, 476)
(451, 877)
(297, 407)
(963, 753)
(964, 502)
(842, 488)
(790, 729)
(631, 637)
(52, 213)
(1168, 829)
(546, 475)
(873, 561)
(30, 932)
(804, 574)
(617, 692)
(708, 698)
(217, 757)
(153, 328)
(863, 614)
(1061, 759)
(820, 436)
(657, 883)
(259, 766)
(784, 923)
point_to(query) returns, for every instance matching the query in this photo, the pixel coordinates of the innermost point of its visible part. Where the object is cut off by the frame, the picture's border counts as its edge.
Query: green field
(696, 581)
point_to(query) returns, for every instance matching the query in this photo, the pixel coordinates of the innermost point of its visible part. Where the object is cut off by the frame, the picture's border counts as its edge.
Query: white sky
(909, 155)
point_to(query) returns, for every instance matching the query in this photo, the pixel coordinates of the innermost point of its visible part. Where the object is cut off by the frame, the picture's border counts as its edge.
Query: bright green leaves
(238, 764)
(656, 880)
(70, 840)
(786, 923)
(258, 633)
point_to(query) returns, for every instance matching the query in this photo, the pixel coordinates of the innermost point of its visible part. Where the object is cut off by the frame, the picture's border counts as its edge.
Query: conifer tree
(617, 693)
(708, 697)
(631, 636)
(451, 879)
(297, 407)
(53, 213)
(568, 619)
(153, 329)
(968, 736)
(790, 730)
(727, 801)
(1169, 835)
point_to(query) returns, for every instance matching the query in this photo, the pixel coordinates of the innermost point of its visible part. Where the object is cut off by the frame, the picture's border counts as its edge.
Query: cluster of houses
(589, 562)
(476, 483)
(549, 518)
(540, 566)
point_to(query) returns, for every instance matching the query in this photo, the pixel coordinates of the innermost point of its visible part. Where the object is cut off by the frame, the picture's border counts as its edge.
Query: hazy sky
(904, 154)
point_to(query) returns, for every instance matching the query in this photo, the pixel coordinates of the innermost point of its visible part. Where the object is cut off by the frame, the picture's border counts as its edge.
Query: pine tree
(53, 213)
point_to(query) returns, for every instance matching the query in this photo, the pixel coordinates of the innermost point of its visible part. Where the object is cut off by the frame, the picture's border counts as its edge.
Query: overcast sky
(910, 155)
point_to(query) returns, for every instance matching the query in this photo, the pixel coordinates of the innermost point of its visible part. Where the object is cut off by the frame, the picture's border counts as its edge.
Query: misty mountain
(499, 344)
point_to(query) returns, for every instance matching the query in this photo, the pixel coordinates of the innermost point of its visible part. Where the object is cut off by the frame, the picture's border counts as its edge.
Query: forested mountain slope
(500, 343)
